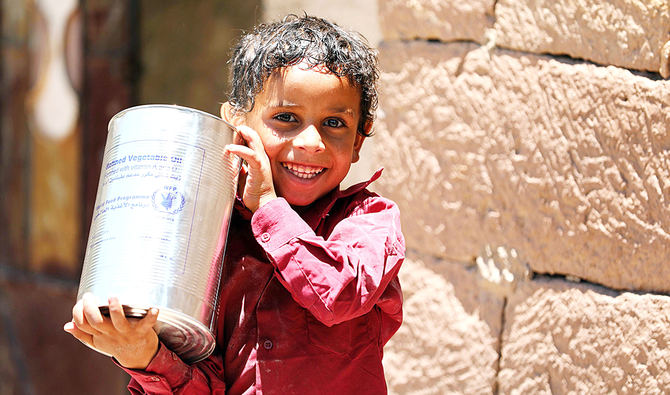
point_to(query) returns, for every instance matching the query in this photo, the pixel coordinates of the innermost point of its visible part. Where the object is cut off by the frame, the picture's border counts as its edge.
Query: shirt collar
(360, 186)
(320, 208)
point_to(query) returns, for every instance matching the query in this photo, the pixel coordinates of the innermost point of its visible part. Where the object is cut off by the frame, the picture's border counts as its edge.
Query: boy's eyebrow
(344, 110)
(284, 104)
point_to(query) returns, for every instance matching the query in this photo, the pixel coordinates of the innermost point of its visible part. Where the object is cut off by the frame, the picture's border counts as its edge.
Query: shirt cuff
(275, 223)
(165, 371)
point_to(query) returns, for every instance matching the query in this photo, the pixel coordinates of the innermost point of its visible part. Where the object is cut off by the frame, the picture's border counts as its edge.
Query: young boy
(309, 293)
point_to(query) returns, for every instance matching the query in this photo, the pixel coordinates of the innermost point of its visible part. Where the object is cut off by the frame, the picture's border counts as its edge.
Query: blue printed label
(168, 200)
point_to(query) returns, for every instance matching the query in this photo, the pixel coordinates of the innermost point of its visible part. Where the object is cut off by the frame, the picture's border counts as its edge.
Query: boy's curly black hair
(316, 41)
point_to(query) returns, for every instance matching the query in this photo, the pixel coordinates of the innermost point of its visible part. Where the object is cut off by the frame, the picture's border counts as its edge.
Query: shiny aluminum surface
(160, 221)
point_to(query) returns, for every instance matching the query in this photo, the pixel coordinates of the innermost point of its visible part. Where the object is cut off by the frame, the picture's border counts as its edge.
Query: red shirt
(307, 302)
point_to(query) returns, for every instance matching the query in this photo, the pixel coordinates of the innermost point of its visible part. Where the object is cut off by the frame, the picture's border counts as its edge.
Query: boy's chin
(298, 202)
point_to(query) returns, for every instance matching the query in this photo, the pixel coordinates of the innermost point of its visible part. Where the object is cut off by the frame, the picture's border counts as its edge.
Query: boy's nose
(309, 139)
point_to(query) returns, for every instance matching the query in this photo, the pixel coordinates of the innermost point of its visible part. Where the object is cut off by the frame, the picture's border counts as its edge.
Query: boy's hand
(258, 186)
(132, 342)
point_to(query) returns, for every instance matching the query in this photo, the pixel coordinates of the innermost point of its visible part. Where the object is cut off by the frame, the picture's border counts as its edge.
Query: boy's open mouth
(302, 171)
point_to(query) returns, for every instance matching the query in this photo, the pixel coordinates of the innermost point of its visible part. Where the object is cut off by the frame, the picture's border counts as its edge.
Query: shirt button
(174, 356)
(154, 378)
(265, 237)
(267, 344)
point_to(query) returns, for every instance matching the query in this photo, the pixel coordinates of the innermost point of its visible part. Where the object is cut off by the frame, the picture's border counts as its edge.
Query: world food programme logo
(168, 200)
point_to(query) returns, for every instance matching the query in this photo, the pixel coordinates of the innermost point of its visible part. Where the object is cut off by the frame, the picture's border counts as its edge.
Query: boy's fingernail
(153, 311)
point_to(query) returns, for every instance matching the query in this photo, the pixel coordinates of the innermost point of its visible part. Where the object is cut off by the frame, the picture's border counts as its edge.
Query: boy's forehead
(305, 66)
(303, 78)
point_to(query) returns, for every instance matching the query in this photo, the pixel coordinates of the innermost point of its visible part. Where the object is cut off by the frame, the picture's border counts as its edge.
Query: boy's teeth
(303, 171)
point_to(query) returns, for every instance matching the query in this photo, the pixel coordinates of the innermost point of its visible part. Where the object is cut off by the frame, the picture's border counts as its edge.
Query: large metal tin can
(160, 221)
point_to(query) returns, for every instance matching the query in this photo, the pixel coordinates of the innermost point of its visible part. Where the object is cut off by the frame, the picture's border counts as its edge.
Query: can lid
(168, 107)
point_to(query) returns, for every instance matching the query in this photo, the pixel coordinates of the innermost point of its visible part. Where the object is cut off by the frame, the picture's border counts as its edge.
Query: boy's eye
(283, 117)
(333, 123)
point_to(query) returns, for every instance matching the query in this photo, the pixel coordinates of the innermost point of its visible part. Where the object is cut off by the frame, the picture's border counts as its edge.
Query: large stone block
(567, 163)
(566, 338)
(441, 20)
(625, 33)
(449, 340)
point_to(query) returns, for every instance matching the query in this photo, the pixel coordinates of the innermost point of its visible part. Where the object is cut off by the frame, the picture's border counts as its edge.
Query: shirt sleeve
(168, 374)
(342, 276)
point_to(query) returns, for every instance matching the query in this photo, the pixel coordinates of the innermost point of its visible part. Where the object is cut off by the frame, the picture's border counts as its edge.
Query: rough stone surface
(449, 340)
(567, 163)
(626, 33)
(566, 338)
(433, 19)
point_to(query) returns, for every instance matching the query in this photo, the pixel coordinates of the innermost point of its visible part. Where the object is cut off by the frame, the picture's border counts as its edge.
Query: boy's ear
(358, 142)
(228, 115)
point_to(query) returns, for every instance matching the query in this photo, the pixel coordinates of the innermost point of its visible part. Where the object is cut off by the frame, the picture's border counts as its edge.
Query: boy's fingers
(252, 138)
(79, 318)
(78, 334)
(117, 315)
(247, 133)
(254, 152)
(245, 153)
(92, 313)
(149, 320)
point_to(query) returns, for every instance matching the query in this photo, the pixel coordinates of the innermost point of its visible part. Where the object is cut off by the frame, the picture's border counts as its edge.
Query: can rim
(175, 321)
(168, 106)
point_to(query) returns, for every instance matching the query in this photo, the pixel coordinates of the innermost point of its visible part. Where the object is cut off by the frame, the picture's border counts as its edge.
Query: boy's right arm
(136, 348)
(168, 374)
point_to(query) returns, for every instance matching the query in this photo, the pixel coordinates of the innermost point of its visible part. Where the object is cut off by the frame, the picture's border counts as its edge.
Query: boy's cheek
(239, 120)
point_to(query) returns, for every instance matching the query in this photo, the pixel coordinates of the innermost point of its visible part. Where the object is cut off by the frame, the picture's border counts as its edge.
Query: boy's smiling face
(307, 119)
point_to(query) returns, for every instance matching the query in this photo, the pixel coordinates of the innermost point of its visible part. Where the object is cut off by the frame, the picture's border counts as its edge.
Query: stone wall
(526, 142)
(527, 145)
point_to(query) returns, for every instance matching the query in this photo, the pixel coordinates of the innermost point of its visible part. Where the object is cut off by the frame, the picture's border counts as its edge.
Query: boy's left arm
(343, 276)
